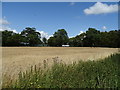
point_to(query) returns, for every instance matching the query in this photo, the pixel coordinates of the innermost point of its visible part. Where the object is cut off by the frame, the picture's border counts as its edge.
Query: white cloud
(104, 27)
(101, 8)
(4, 22)
(72, 3)
(3, 25)
(80, 32)
(77, 34)
(44, 34)
(7, 28)
(71, 36)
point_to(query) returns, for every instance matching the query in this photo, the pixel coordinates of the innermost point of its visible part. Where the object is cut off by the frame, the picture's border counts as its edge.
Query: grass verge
(103, 73)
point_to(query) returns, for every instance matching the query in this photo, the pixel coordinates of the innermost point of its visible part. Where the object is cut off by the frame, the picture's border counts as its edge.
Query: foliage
(9, 38)
(77, 41)
(31, 36)
(90, 38)
(59, 38)
(90, 74)
(95, 38)
(44, 40)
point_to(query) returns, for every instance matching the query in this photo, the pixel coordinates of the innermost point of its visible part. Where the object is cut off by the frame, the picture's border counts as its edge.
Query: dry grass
(17, 59)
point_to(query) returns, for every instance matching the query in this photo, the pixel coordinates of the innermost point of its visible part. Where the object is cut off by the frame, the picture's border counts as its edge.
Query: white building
(65, 45)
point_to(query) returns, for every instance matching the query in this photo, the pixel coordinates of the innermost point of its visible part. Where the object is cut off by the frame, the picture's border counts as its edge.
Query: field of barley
(15, 59)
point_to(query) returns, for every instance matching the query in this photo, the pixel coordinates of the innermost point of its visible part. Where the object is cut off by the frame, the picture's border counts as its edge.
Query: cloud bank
(81, 32)
(104, 27)
(4, 22)
(7, 28)
(101, 8)
(3, 25)
(72, 3)
(44, 34)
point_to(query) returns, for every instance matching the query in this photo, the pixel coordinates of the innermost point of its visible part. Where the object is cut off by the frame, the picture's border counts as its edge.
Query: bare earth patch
(15, 59)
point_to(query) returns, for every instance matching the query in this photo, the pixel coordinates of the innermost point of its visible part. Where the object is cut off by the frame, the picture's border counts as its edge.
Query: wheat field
(15, 59)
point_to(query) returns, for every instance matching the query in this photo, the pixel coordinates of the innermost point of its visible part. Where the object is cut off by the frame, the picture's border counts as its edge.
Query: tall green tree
(92, 37)
(77, 41)
(14, 40)
(118, 38)
(113, 38)
(9, 38)
(31, 36)
(59, 38)
(72, 42)
(44, 40)
(6, 37)
(52, 41)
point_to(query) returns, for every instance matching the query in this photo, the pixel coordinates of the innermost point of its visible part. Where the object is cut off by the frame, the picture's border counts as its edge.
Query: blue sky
(48, 17)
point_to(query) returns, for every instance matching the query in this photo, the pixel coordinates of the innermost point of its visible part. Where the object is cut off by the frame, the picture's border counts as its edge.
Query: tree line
(90, 38)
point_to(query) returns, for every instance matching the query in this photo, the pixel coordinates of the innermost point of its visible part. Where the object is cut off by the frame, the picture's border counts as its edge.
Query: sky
(48, 17)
